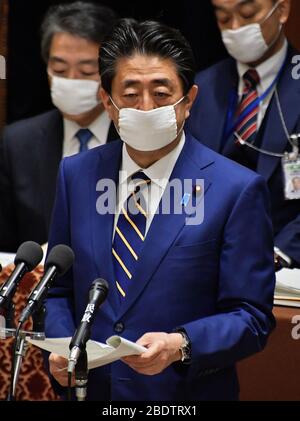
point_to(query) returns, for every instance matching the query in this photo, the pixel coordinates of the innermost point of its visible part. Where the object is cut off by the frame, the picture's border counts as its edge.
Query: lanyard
(231, 125)
(293, 139)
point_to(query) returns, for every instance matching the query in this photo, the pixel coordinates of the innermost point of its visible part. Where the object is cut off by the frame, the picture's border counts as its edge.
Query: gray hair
(85, 20)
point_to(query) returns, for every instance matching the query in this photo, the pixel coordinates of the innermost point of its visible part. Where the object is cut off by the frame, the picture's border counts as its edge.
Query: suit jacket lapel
(229, 143)
(50, 154)
(164, 228)
(107, 168)
(274, 137)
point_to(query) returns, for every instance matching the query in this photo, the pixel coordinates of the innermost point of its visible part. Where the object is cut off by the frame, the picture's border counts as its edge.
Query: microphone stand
(21, 347)
(81, 376)
(7, 320)
(38, 321)
(20, 351)
(9, 314)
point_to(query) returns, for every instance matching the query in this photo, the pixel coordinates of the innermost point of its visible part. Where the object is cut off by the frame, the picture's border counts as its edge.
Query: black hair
(147, 38)
(86, 20)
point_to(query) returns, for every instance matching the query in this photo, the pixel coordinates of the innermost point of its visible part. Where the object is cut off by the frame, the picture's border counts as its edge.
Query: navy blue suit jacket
(207, 123)
(215, 279)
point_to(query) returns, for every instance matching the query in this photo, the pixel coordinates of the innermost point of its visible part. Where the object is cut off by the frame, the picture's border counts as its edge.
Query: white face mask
(247, 44)
(148, 130)
(74, 96)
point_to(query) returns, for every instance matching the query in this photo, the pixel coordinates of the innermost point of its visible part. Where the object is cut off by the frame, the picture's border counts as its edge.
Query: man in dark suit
(194, 288)
(253, 97)
(31, 149)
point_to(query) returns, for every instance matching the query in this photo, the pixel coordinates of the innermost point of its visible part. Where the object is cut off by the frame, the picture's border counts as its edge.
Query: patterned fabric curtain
(34, 383)
(3, 56)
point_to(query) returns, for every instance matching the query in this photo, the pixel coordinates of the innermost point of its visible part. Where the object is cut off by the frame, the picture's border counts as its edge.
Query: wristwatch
(185, 348)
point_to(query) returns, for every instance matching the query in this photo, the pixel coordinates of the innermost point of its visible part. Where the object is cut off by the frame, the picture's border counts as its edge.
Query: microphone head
(62, 257)
(30, 253)
(99, 284)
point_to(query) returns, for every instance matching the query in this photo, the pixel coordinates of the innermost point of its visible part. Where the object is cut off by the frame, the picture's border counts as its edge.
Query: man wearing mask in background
(31, 149)
(252, 97)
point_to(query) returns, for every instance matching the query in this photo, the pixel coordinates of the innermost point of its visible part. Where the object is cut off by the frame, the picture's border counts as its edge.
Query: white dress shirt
(159, 174)
(268, 70)
(98, 127)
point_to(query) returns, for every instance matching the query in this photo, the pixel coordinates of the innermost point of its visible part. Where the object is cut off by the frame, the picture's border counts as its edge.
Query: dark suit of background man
(253, 34)
(31, 149)
(197, 294)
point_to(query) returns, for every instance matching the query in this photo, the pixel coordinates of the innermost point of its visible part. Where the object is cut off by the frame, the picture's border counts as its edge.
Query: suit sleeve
(59, 302)
(288, 238)
(8, 220)
(59, 320)
(243, 318)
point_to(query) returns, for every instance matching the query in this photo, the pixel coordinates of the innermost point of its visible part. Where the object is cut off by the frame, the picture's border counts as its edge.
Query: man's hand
(163, 350)
(58, 368)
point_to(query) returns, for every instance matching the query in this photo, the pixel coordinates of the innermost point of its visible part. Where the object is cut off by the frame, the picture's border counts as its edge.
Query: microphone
(97, 295)
(59, 261)
(28, 256)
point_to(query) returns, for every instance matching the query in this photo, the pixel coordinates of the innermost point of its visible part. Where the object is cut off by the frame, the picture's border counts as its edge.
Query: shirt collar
(267, 70)
(70, 129)
(159, 172)
(96, 127)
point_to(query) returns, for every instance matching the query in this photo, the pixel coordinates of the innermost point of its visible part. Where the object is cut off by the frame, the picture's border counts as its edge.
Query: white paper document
(6, 258)
(98, 353)
(287, 291)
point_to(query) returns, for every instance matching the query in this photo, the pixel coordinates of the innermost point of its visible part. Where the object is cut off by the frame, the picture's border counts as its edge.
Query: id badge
(291, 170)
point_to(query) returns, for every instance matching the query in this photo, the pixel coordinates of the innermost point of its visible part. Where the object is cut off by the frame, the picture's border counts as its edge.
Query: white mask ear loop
(267, 17)
(176, 103)
(179, 101)
(113, 102)
(115, 105)
(271, 12)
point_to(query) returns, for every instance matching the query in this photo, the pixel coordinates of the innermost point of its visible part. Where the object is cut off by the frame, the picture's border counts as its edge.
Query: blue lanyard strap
(230, 128)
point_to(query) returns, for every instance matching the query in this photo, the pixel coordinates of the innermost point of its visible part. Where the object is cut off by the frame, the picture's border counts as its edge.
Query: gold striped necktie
(130, 235)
